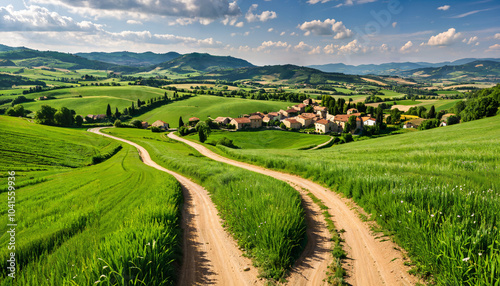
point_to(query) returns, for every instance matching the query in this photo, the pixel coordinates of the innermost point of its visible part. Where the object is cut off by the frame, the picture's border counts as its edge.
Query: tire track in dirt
(210, 255)
(370, 261)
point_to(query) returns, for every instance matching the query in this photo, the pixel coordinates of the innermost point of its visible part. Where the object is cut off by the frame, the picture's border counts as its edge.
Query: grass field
(94, 100)
(440, 186)
(408, 102)
(263, 214)
(390, 93)
(114, 223)
(267, 139)
(203, 106)
(444, 104)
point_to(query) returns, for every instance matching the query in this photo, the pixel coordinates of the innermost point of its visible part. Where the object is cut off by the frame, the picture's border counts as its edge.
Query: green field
(447, 92)
(94, 100)
(390, 93)
(82, 226)
(444, 104)
(440, 186)
(263, 214)
(408, 102)
(267, 139)
(203, 106)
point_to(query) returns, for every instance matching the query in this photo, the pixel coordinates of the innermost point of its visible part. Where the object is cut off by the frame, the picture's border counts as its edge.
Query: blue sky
(264, 32)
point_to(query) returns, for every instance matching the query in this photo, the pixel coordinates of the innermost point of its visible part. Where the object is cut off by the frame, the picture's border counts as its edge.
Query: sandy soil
(211, 256)
(370, 261)
(374, 81)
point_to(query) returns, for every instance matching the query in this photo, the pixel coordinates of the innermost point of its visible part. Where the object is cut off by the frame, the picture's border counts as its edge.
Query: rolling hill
(476, 71)
(130, 58)
(203, 63)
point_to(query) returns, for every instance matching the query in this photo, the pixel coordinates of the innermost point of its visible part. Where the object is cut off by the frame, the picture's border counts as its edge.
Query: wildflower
(409, 211)
(97, 282)
(458, 215)
(102, 276)
(401, 201)
(466, 259)
(472, 215)
(432, 215)
(479, 254)
(104, 267)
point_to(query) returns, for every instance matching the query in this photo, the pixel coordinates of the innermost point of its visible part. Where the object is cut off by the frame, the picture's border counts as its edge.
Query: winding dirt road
(370, 261)
(210, 255)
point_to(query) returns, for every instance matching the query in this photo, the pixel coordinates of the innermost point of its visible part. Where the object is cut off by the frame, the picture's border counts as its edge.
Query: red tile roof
(323, 121)
(291, 120)
(242, 120)
(194, 119)
(291, 110)
(255, 117)
(344, 117)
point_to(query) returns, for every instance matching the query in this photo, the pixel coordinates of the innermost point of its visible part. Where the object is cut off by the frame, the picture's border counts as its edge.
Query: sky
(264, 32)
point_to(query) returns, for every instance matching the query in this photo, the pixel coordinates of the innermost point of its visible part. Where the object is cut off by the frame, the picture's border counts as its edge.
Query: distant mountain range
(230, 68)
(392, 68)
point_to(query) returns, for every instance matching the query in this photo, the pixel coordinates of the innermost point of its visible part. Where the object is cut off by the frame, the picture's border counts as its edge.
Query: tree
(139, 103)
(380, 116)
(351, 122)
(421, 111)
(203, 130)
(108, 111)
(78, 120)
(136, 123)
(64, 117)
(17, 110)
(118, 123)
(181, 123)
(432, 113)
(283, 126)
(453, 120)
(45, 115)
(202, 135)
(395, 116)
(117, 113)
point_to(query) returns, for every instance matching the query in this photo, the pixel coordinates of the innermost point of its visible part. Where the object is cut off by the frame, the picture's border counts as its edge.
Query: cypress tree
(108, 111)
(181, 123)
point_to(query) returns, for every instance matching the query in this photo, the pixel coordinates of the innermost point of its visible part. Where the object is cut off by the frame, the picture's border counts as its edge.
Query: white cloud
(444, 7)
(384, 48)
(471, 13)
(353, 2)
(317, 1)
(326, 28)
(351, 48)
(444, 38)
(36, 18)
(270, 29)
(239, 24)
(213, 9)
(263, 17)
(282, 33)
(270, 44)
(394, 24)
(405, 48)
(494, 48)
(315, 51)
(471, 40)
(134, 22)
(497, 36)
(330, 49)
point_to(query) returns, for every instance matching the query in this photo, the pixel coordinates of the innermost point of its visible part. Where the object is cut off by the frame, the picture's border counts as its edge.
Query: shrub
(136, 123)
(156, 129)
(118, 123)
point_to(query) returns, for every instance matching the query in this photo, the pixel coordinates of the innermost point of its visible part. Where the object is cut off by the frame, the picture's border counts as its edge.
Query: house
(308, 102)
(352, 110)
(160, 124)
(341, 120)
(258, 114)
(292, 123)
(96, 117)
(306, 119)
(222, 120)
(368, 121)
(414, 123)
(274, 115)
(289, 112)
(240, 123)
(193, 121)
(255, 121)
(409, 125)
(321, 111)
(299, 107)
(324, 126)
(144, 125)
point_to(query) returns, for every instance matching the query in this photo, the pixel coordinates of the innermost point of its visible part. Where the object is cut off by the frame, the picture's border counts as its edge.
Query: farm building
(255, 121)
(321, 111)
(222, 120)
(306, 119)
(324, 126)
(341, 120)
(193, 121)
(240, 123)
(145, 124)
(160, 124)
(292, 123)
(299, 107)
(352, 110)
(369, 121)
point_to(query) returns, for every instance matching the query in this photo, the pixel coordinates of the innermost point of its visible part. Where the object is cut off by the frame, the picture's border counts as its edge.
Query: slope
(130, 58)
(203, 62)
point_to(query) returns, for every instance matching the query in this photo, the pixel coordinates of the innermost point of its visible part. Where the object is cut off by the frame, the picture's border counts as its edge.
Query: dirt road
(210, 255)
(370, 261)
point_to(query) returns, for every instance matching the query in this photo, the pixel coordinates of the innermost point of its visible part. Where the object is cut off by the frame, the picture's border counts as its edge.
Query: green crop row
(263, 214)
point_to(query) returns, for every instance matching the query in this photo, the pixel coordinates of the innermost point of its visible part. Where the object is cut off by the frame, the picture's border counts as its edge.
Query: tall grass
(436, 190)
(263, 214)
(114, 223)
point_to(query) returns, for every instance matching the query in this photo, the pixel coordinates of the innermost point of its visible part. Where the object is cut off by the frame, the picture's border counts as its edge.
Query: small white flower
(401, 201)
(472, 215)
(432, 215)
(409, 211)
(104, 267)
(466, 259)
(479, 254)
(458, 215)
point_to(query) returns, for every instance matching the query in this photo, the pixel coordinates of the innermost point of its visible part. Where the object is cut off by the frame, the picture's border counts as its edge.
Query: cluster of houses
(296, 118)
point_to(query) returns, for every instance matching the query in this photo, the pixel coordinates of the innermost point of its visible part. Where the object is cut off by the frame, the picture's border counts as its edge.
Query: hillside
(130, 58)
(286, 73)
(7, 81)
(204, 63)
(473, 71)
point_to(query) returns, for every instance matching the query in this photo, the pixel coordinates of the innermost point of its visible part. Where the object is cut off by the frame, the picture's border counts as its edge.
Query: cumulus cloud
(36, 18)
(263, 17)
(270, 44)
(444, 7)
(213, 9)
(406, 47)
(270, 30)
(497, 36)
(134, 22)
(282, 33)
(303, 47)
(384, 48)
(326, 28)
(470, 41)
(494, 48)
(444, 38)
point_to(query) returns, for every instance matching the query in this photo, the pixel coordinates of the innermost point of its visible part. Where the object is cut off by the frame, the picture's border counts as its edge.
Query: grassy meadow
(263, 214)
(112, 223)
(267, 139)
(437, 191)
(203, 106)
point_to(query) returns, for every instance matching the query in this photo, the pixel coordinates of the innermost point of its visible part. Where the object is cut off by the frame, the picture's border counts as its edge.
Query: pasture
(263, 214)
(267, 139)
(440, 186)
(111, 223)
(203, 106)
